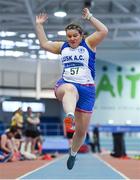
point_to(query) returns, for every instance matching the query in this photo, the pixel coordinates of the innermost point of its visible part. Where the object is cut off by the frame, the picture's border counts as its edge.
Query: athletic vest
(78, 63)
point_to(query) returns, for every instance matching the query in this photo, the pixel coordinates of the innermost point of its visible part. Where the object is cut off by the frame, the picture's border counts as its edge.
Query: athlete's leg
(82, 121)
(68, 94)
(83, 113)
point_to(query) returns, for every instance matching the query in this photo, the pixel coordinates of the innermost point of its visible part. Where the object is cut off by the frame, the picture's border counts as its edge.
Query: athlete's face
(73, 37)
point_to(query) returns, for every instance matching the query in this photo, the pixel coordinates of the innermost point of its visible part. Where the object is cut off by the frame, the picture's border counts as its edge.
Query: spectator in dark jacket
(96, 139)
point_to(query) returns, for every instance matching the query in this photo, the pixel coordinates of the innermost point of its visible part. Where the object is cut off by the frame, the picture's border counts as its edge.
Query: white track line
(111, 167)
(45, 165)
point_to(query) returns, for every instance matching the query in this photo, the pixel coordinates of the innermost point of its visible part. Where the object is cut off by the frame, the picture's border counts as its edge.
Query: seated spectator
(38, 145)
(7, 147)
(4, 157)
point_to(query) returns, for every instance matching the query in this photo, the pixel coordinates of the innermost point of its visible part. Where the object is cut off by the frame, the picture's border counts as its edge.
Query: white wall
(122, 104)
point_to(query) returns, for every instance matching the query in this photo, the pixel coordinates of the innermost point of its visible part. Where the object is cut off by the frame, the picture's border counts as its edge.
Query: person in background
(119, 148)
(7, 146)
(76, 88)
(32, 122)
(17, 121)
(96, 139)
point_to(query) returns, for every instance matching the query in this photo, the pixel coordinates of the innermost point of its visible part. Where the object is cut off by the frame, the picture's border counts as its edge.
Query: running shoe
(71, 162)
(68, 122)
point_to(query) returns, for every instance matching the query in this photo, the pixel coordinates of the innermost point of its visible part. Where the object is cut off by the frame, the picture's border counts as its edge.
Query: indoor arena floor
(87, 166)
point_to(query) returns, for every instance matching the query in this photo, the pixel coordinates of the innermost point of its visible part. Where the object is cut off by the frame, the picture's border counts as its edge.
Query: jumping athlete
(76, 88)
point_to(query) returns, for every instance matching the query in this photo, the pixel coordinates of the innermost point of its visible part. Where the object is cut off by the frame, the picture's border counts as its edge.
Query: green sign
(105, 85)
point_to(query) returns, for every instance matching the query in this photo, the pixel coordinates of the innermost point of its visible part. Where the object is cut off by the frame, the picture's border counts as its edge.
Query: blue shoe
(6, 158)
(71, 162)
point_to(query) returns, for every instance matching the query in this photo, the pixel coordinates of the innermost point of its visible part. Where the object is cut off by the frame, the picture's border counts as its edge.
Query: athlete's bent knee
(70, 88)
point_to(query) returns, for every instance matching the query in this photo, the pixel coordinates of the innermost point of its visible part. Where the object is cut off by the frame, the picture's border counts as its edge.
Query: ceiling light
(31, 35)
(21, 44)
(7, 33)
(5, 42)
(23, 35)
(61, 33)
(60, 14)
(34, 47)
(28, 41)
(37, 41)
(13, 53)
(2, 34)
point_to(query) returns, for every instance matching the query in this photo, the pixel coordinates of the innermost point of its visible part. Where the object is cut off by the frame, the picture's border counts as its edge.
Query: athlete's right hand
(41, 18)
(86, 14)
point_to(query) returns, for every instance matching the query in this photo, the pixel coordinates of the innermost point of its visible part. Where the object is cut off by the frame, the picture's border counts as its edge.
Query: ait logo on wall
(118, 92)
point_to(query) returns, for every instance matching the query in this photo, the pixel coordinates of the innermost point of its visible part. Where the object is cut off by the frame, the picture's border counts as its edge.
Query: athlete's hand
(41, 18)
(86, 14)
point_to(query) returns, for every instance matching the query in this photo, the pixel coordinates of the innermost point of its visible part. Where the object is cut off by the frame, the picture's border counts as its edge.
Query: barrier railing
(57, 128)
(51, 129)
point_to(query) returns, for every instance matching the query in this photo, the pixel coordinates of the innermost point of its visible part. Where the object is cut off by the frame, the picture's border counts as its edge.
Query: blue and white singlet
(78, 63)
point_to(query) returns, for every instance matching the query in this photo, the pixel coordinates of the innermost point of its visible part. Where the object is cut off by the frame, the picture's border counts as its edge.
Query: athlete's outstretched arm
(53, 47)
(101, 30)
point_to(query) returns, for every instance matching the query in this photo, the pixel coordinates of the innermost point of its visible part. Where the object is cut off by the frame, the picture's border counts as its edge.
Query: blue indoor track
(87, 166)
